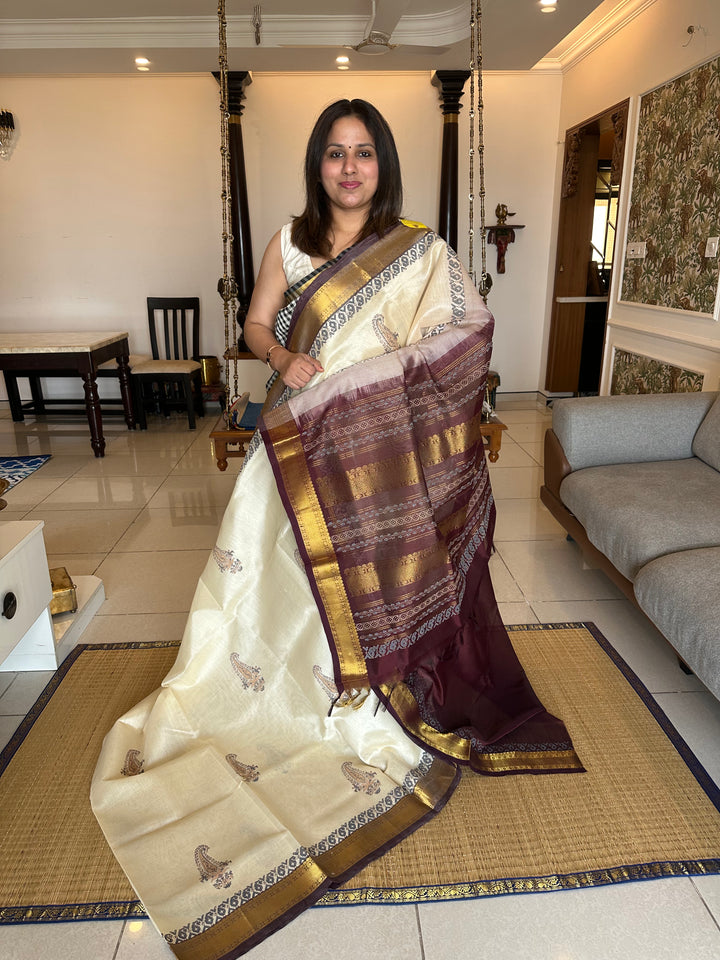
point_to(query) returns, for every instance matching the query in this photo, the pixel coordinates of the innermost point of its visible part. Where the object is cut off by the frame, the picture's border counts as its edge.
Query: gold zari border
(289, 894)
(405, 707)
(305, 506)
(474, 889)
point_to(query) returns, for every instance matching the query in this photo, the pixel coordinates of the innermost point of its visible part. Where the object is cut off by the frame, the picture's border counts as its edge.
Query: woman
(343, 652)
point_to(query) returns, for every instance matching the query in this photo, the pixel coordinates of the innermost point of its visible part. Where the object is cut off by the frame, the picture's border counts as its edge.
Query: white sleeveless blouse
(296, 264)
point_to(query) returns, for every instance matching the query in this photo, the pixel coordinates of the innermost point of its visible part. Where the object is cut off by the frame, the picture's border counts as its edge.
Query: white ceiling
(180, 36)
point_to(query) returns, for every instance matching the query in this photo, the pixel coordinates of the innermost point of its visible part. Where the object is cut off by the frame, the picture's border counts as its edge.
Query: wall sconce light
(7, 132)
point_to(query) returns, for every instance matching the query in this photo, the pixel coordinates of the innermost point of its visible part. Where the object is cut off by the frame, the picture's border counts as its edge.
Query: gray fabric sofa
(635, 480)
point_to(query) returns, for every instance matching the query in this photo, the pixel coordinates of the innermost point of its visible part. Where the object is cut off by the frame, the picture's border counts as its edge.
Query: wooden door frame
(573, 241)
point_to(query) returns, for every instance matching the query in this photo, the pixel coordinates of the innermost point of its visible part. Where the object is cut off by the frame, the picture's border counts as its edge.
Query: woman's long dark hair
(310, 230)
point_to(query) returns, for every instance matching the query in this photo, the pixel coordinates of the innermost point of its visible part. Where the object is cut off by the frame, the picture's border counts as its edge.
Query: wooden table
(34, 355)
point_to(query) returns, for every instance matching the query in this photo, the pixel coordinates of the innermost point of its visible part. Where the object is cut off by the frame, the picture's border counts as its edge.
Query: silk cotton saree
(343, 655)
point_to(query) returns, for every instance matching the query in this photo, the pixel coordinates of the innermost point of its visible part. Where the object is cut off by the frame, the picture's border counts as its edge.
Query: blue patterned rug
(15, 469)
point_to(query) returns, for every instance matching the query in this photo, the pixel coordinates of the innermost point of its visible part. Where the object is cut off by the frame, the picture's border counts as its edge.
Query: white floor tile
(60, 941)
(141, 941)
(709, 890)
(23, 692)
(330, 933)
(512, 483)
(527, 432)
(156, 463)
(657, 920)
(8, 726)
(81, 530)
(184, 493)
(552, 570)
(535, 449)
(511, 455)
(76, 564)
(62, 466)
(525, 519)
(696, 717)
(525, 415)
(506, 590)
(151, 582)
(102, 493)
(179, 529)
(30, 492)
(517, 613)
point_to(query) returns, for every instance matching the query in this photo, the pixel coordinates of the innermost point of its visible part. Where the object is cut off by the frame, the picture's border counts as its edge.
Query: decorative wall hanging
(675, 200)
(634, 373)
(503, 233)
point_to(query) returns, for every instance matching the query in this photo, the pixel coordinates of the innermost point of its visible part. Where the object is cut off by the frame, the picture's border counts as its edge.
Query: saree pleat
(343, 652)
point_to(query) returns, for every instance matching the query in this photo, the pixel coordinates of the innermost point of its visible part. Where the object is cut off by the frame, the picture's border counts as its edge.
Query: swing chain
(476, 80)
(227, 285)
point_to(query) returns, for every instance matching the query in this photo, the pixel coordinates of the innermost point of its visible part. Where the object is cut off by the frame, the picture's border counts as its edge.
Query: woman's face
(349, 169)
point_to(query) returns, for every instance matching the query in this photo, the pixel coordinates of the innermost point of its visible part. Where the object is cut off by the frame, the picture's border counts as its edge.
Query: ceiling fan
(386, 15)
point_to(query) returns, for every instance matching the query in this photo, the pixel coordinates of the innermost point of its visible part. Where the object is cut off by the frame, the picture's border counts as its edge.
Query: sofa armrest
(555, 463)
(634, 428)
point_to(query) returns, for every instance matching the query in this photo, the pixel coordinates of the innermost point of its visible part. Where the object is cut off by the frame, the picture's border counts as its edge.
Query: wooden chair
(172, 379)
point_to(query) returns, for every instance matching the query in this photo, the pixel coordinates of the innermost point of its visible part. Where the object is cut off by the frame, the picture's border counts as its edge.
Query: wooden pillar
(238, 80)
(243, 269)
(450, 85)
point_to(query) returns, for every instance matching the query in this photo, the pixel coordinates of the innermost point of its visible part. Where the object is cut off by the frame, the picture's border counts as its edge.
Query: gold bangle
(269, 352)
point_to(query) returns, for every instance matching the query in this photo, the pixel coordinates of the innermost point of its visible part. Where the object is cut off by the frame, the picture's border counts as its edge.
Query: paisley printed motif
(250, 676)
(327, 685)
(226, 560)
(133, 765)
(387, 337)
(214, 870)
(246, 771)
(362, 781)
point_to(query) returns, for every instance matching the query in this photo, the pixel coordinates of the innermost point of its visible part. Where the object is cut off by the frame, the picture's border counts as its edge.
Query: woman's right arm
(296, 369)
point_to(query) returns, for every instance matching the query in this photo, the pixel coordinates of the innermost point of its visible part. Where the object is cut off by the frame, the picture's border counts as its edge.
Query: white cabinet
(27, 641)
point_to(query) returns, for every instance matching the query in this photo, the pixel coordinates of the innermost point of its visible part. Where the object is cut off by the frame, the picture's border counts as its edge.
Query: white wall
(652, 49)
(520, 127)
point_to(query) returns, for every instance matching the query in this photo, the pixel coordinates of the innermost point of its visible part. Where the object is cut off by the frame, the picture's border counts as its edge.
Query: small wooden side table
(222, 436)
(491, 431)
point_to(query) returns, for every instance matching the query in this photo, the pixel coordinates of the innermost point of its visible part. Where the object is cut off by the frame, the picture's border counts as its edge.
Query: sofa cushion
(679, 592)
(706, 444)
(635, 512)
(629, 428)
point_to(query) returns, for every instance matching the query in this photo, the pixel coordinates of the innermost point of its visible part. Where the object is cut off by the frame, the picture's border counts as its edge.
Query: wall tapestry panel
(633, 373)
(675, 201)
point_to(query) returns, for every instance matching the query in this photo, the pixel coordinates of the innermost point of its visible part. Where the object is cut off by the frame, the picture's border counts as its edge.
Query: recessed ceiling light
(142, 63)
(342, 59)
(343, 66)
(547, 6)
(144, 69)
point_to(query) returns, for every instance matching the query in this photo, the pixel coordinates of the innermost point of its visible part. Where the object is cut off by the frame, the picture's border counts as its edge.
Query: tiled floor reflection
(144, 519)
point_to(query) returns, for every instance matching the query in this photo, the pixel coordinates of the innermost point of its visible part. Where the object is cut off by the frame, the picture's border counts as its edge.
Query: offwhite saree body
(270, 765)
